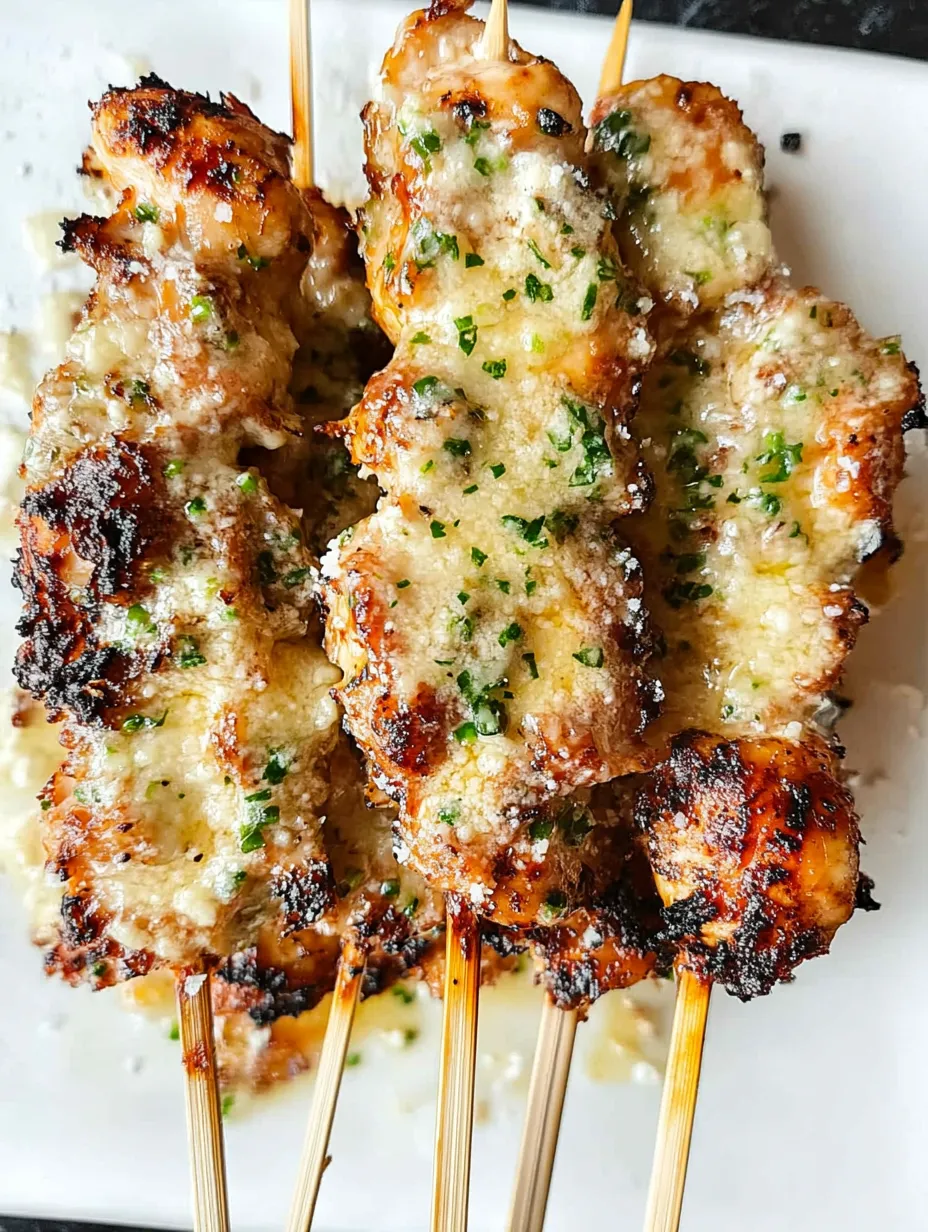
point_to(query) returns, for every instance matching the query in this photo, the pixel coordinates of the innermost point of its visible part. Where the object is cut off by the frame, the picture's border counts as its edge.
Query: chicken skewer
(558, 1026)
(480, 800)
(774, 428)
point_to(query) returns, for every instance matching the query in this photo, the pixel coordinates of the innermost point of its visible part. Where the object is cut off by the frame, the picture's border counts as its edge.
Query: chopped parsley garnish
(784, 458)
(421, 337)
(188, 653)
(890, 346)
(512, 633)
(530, 664)
(247, 482)
(457, 447)
(411, 908)
(425, 385)
(173, 468)
(389, 262)
(614, 135)
(449, 814)
(425, 145)
(403, 584)
(277, 768)
(390, 888)
(404, 994)
(497, 470)
(541, 829)
(426, 466)
(146, 212)
(607, 270)
(463, 596)
(472, 260)
(535, 289)
(195, 508)
(530, 531)
(470, 491)
(138, 391)
(589, 301)
(296, 576)
(201, 308)
(510, 294)
(437, 528)
(575, 823)
(467, 333)
(479, 558)
(139, 619)
(590, 656)
(483, 165)
(352, 1060)
(503, 585)
(538, 254)
(489, 714)
(142, 722)
(678, 593)
(769, 503)
(256, 263)
(496, 368)
(531, 585)
(258, 814)
(466, 733)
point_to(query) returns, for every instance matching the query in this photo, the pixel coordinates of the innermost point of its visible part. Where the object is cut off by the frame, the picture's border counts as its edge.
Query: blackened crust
(306, 893)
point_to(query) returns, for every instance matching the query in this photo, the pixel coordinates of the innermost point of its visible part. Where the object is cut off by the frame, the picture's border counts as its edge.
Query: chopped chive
(510, 294)
(403, 584)
(201, 308)
(472, 260)
(457, 447)
(590, 656)
(146, 212)
(589, 301)
(539, 255)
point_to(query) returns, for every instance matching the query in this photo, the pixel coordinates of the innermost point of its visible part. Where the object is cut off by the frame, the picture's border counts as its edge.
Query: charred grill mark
(265, 992)
(100, 244)
(863, 899)
(412, 734)
(83, 536)
(915, 416)
(306, 892)
(151, 120)
(84, 954)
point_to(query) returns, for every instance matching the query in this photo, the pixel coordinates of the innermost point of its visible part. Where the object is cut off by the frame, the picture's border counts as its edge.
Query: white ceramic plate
(812, 1108)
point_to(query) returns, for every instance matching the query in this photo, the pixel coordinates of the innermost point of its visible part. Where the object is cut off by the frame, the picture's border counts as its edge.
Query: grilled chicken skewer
(773, 425)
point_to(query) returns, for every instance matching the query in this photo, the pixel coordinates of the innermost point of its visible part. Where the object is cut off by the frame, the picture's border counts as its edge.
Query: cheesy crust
(488, 617)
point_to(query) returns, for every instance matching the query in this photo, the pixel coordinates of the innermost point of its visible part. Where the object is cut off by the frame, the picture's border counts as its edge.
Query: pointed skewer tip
(496, 33)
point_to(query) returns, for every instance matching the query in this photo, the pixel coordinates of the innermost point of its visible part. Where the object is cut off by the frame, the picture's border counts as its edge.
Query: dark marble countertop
(897, 26)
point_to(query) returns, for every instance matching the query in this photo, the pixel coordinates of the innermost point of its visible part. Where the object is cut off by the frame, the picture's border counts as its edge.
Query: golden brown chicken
(488, 617)
(773, 427)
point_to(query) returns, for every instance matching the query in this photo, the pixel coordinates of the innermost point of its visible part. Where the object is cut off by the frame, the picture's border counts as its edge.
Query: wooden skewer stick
(678, 1104)
(328, 1083)
(496, 33)
(550, 1071)
(301, 94)
(614, 63)
(451, 1178)
(204, 1118)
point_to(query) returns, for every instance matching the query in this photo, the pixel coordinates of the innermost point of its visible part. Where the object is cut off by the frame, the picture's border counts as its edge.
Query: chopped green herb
(678, 593)
(201, 308)
(421, 337)
(195, 508)
(589, 301)
(467, 333)
(277, 768)
(296, 576)
(425, 145)
(699, 277)
(503, 585)
(425, 385)
(138, 618)
(538, 254)
(437, 528)
(561, 524)
(496, 368)
(512, 633)
(390, 888)
(466, 733)
(402, 993)
(541, 829)
(426, 466)
(256, 263)
(463, 596)
(188, 653)
(448, 814)
(531, 584)
(575, 823)
(411, 908)
(470, 491)
(352, 1060)
(891, 346)
(472, 260)
(173, 468)
(174, 1033)
(784, 457)
(530, 664)
(403, 584)
(529, 531)
(142, 722)
(138, 391)
(535, 289)
(457, 447)
(146, 212)
(497, 470)
(578, 253)
(479, 558)
(510, 294)
(228, 1103)
(389, 262)
(590, 656)
(483, 165)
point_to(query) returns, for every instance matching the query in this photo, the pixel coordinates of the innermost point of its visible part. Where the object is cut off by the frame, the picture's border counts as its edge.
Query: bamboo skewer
(548, 1087)
(353, 958)
(454, 1128)
(496, 33)
(553, 1052)
(201, 1088)
(614, 63)
(301, 94)
(314, 1158)
(678, 1105)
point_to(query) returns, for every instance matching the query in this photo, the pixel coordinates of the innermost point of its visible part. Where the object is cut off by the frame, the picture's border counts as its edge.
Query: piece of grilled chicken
(488, 617)
(773, 426)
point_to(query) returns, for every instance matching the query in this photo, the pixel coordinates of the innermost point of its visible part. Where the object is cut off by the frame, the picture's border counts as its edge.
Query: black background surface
(899, 27)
